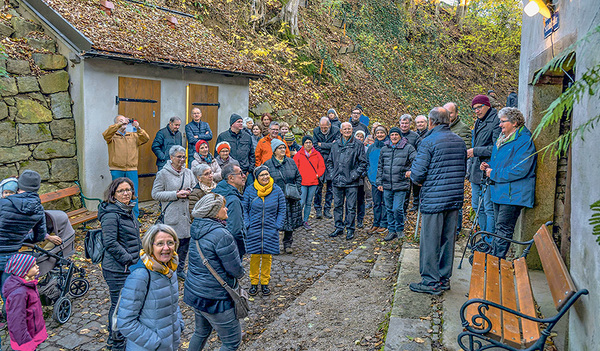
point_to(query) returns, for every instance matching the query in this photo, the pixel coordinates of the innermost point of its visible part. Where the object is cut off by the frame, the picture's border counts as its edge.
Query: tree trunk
(288, 14)
(257, 13)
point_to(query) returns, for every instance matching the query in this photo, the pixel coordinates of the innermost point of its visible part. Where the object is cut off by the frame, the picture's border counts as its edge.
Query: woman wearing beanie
(264, 215)
(285, 173)
(24, 315)
(122, 244)
(206, 184)
(149, 315)
(202, 156)
(379, 209)
(223, 158)
(213, 307)
(311, 167)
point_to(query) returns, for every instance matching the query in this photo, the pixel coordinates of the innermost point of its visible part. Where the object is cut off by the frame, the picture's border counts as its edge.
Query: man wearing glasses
(485, 133)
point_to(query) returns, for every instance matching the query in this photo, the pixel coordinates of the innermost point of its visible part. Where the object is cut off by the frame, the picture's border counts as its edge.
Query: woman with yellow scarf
(264, 215)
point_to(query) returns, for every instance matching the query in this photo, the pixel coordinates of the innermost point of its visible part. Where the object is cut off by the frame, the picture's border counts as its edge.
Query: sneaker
(265, 290)
(288, 250)
(327, 215)
(253, 290)
(307, 226)
(391, 236)
(426, 289)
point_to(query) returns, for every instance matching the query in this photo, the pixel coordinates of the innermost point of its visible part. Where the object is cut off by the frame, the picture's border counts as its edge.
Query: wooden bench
(76, 217)
(501, 311)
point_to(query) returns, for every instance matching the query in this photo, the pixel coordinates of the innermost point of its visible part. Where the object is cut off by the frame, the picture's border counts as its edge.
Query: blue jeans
(225, 323)
(307, 194)
(486, 214)
(328, 197)
(394, 205)
(133, 175)
(379, 211)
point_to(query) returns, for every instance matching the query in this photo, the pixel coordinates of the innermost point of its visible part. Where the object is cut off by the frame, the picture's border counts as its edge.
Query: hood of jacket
(203, 226)
(27, 203)
(13, 284)
(227, 189)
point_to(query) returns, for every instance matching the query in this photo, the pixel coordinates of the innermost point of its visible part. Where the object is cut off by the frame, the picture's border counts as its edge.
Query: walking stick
(418, 221)
(485, 187)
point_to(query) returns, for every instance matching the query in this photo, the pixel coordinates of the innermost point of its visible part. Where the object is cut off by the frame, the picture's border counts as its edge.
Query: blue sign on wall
(551, 24)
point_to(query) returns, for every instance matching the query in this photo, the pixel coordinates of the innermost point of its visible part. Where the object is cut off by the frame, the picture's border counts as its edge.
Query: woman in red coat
(311, 166)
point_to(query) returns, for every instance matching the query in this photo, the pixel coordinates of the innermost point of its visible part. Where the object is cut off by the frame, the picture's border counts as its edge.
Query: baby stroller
(59, 278)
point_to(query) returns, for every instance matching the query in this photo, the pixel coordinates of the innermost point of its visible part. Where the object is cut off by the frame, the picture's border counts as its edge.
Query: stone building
(148, 63)
(566, 186)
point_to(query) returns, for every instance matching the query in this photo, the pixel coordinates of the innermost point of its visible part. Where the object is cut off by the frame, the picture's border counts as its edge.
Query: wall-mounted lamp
(537, 6)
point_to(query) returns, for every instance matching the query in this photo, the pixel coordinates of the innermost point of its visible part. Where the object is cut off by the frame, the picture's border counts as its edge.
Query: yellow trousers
(260, 265)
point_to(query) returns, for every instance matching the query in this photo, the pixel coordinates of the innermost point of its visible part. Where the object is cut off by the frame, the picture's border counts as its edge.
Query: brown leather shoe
(372, 230)
(381, 230)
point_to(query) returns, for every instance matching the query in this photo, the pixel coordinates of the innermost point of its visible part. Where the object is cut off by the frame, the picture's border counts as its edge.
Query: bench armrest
(484, 305)
(528, 244)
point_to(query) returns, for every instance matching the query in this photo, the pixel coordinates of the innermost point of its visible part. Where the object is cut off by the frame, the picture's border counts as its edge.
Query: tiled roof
(142, 32)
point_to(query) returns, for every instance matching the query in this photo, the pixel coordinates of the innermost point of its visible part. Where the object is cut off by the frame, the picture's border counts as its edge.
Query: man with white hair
(323, 137)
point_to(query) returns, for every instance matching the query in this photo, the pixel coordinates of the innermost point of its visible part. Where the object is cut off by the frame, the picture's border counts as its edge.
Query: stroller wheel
(62, 310)
(79, 287)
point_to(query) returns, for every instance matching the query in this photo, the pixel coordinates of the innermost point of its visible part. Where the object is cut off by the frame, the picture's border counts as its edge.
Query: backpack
(94, 248)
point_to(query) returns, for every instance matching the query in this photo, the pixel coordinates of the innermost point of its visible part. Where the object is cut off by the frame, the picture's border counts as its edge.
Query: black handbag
(290, 190)
(239, 295)
(161, 217)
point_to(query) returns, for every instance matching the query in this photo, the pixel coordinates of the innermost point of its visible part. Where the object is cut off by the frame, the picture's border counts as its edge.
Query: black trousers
(115, 282)
(436, 246)
(318, 202)
(505, 217)
(182, 251)
(348, 196)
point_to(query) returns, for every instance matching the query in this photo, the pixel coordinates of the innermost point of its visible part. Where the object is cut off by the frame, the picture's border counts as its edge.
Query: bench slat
(59, 194)
(83, 218)
(77, 212)
(492, 293)
(510, 322)
(559, 280)
(476, 290)
(531, 330)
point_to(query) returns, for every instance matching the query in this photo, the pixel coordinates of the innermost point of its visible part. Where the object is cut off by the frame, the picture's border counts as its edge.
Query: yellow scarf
(263, 191)
(153, 265)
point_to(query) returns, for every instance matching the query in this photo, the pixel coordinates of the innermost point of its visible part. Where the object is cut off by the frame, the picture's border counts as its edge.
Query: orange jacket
(263, 150)
(123, 149)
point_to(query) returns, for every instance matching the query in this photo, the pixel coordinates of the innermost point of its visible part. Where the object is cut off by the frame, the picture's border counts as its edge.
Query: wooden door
(140, 100)
(206, 98)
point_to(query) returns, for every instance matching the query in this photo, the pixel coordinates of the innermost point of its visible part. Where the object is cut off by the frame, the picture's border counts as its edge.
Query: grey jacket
(165, 188)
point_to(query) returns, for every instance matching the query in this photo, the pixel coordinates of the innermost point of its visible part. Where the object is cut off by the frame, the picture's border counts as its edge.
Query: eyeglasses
(237, 174)
(182, 157)
(478, 108)
(162, 244)
(124, 191)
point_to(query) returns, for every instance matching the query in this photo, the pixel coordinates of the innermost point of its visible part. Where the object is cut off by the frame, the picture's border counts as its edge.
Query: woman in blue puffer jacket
(149, 315)
(379, 212)
(264, 214)
(512, 170)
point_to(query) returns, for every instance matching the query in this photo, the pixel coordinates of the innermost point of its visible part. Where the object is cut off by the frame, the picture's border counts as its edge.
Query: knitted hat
(208, 206)
(10, 184)
(331, 110)
(307, 137)
(381, 127)
(234, 117)
(275, 143)
(199, 143)
(395, 130)
(29, 181)
(358, 106)
(481, 99)
(19, 264)
(360, 132)
(259, 169)
(289, 136)
(222, 145)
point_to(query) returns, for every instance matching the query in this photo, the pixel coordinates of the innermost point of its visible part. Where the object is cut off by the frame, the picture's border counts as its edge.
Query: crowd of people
(259, 182)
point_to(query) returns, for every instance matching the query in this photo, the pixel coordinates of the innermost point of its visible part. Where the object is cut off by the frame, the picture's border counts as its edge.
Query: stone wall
(37, 129)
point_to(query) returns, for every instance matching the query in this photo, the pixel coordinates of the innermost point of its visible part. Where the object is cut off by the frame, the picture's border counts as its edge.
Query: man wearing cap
(164, 139)
(324, 136)
(20, 213)
(240, 143)
(263, 148)
(440, 168)
(123, 151)
(195, 131)
(485, 133)
(347, 163)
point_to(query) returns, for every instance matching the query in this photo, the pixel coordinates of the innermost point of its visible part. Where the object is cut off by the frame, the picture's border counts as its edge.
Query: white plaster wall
(577, 17)
(95, 107)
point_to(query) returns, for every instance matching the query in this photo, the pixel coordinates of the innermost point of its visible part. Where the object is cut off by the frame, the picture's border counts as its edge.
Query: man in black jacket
(164, 139)
(356, 123)
(229, 187)
(347, 163)
(324, 136)
(440, 168)
(241, 145)
(485, 133)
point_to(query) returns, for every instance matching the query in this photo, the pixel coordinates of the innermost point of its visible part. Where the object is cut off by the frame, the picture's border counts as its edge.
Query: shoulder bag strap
(313, 167)
(211, 269)
(281, 174)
